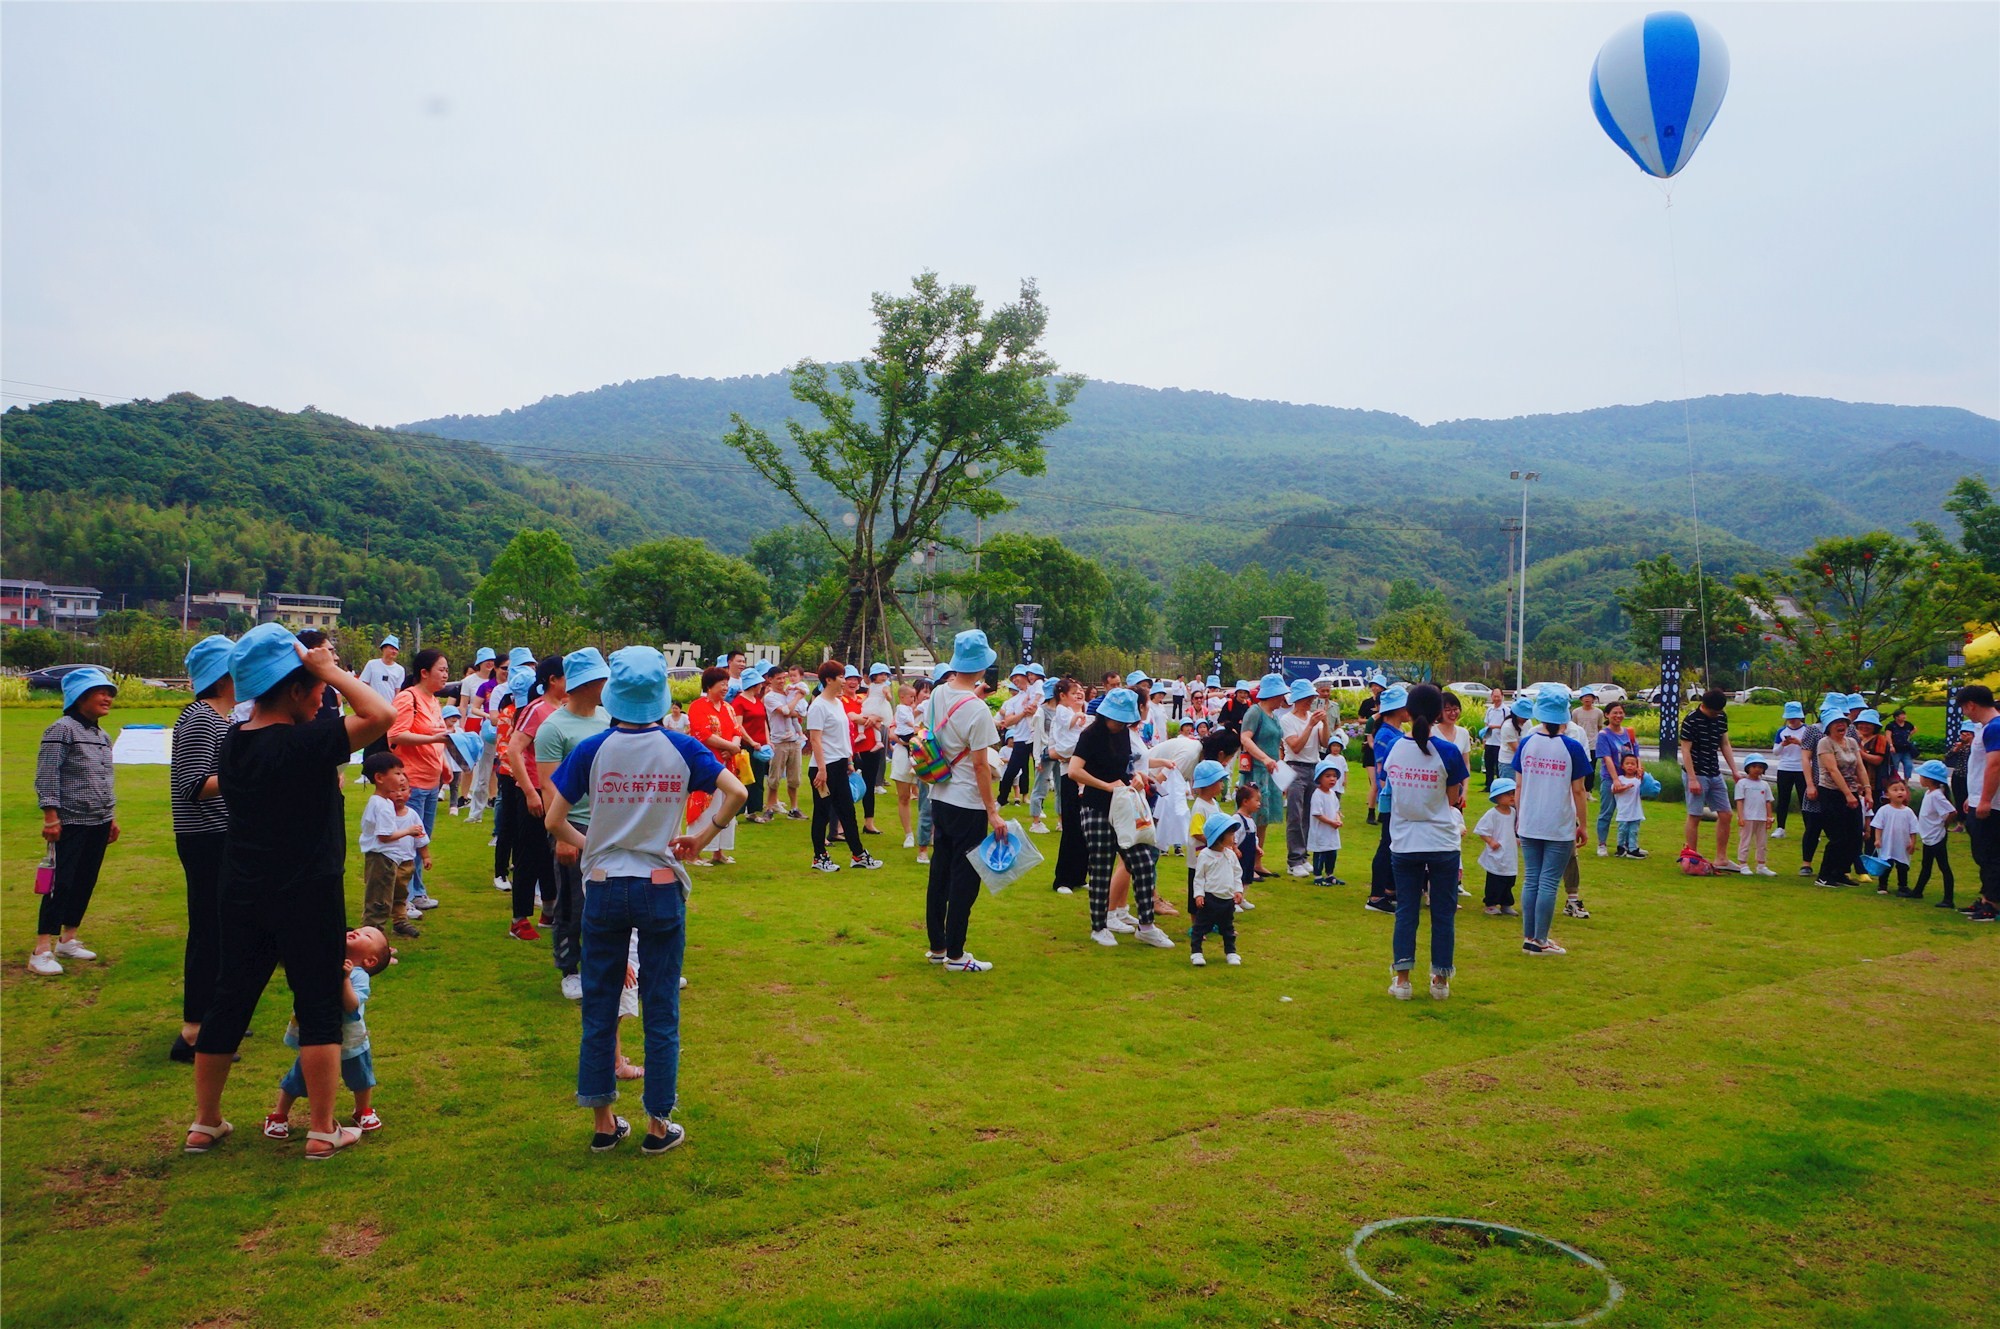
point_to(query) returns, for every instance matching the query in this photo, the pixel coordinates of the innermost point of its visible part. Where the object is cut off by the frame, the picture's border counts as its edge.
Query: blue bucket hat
(484, 654)
(1552, 705)
(1394, 698)
(1120, 704)
(1870, 716)
(1020, 669)
(1833, 699)
(521, 681)
(1271, 685)
(520, 655)
(1301, 690)
(1336, 739)
(1324, 765)
(1828, 714)
(262, 658)
(1215, 680)
(1207, 773)
(1756, 759)
(1521, 707)
(1855, 701)
(1050, 688)
(1500, 787)
(1035, 670)
(970, 654)
(637, 692)
(584, 666)
(1215, 828)
(722, 660)
(1935, 770)
(390, 640)
(1136, 677)
(79, 681)
(208, 661)
(879, 670)
(1794, 711)
(1244, 685)
(754, 675)
(450, 712)
(852, 672)
(941, 672)
(1377, 679)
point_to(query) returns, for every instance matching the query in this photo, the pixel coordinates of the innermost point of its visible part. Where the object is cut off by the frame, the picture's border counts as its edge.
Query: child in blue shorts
(368, 954)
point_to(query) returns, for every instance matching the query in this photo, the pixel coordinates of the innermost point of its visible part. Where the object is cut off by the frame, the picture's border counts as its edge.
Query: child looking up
(392, 838)
(1753, 818)
(1894, 830)
(1208, 780)
(1501, 856)
(1250, 853)
(1323, 835)
(367, 955)
(1628, 791)
(1934, 819)
(1218, 890)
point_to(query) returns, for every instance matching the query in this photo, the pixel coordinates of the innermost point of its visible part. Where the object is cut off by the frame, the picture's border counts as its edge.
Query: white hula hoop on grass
(1613, 1293)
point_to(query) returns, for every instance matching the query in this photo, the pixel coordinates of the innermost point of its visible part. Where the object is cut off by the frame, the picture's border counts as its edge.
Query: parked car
(1533, 690)
(51, 678)
(1759, 697)
(1344, 682)
(1468, 691)
(1606, 693)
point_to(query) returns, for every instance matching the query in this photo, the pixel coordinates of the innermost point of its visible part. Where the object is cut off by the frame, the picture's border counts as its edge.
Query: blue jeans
(613, 909)
(1904, 764)
(1628, 835)
(1607, 807)
(423, 802)
(356, 1072)
(923, 815)
(1437, 872)
(1542, 864)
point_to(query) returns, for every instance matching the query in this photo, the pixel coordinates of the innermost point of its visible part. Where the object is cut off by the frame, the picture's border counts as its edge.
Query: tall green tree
(793, 560)
(1873, 610)
(1971, 501)
(950, 402)
(682, 590)
(532, 593)
(1130, 617)
(1425, 634)
(1018, 568)
(1202, 596)
(1731, 629)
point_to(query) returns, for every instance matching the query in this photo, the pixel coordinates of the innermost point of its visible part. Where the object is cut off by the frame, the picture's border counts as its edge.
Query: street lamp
(1670, 680)
(1276, 642)
(1525, 478)
(1216, 632)
(1025, 616)
(1954, 719)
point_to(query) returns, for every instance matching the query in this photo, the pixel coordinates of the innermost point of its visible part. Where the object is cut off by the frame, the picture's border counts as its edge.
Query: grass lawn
(1758, 1103)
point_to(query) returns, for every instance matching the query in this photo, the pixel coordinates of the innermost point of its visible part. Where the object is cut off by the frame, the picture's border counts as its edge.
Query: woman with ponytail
(1426, 778)
(1551, 820)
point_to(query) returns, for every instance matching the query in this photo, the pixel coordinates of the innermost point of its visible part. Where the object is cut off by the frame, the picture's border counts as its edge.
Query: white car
(1463, 690)
(1761, 696)
(1606, 693)
(1534, 690)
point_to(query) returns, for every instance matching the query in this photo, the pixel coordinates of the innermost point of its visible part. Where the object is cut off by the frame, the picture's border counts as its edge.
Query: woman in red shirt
(714, 722)
(749, 705)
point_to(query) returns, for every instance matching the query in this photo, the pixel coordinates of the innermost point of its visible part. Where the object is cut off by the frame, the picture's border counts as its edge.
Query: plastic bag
(1873, 866)
(1131, 818)
(45, 873)
(1001, 863)
(857, 787)
(1649, 785)
(1282, 776)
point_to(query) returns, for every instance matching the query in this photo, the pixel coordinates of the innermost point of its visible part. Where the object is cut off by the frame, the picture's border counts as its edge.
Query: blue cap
(79, 681)
(208, 661)
(391, 640)
(1136, 677)
(1794, 711)
(1215, 680)
(1244, 685)
(449, 712)
(1756, 759)
(1120, 704)
(852, 672)
(1376, 678)
(1160, 689)
(1870, 716)
(637, 692)
(584, 666)
(1207, 773)
(941, 672)
(1271, 685)
(1301, 690)
(879, 670)
(1324, 765)
(520, 681)
(1521, 707)
(1336, 739)
(1833, 699)
(1035, 670)
(262, 658)
(722, 660)
(1020, 670)
(1828, 714)
(520, 655)
(1502, 786)
(970, 654)
(753, 675)
(1935, 770)
(484, 654)
(1855, 701)
(1215, 828)
(1394, 698)
(1050, 688)
(1552, 705)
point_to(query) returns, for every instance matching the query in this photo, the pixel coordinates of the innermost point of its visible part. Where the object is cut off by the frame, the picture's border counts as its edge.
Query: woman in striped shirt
(201, 826)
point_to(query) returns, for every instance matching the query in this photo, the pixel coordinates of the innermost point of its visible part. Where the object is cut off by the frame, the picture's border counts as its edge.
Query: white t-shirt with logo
(1755, 798)
(1423, 823)
(385, 678)
(967, 735)
(1544, 765)
(828, 718)
(1498, 825)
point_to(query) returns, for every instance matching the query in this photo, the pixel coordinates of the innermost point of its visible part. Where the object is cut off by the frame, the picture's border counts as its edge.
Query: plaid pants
(1100, 848)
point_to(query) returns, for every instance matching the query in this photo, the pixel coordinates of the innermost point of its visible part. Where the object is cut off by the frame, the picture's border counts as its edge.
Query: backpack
(927, 760)
(1694, 865)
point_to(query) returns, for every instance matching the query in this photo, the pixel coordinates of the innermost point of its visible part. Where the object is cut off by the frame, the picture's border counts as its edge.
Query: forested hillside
(265, 500)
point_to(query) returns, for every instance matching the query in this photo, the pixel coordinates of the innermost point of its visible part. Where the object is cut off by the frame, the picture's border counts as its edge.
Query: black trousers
(1071, 856)
(1381, 877)
(954, 882)
(1217, 914)
(1020, 768)
(1939, 856)
(201, 864)
(568, 910)
(1499, 891)
(1815, 826)
(1492, 765)
(760, 769)
(1789, 783)
(534, 864)
(870, 766)
(1983, 835)
(837, 804)
(301, 924)
(1843, 837)
(503, 824)
(79, 858)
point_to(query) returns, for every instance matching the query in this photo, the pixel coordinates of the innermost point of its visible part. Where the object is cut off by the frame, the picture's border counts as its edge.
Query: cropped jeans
(613, 909)
(423, 802)
(1542, 864)
(1437, 873)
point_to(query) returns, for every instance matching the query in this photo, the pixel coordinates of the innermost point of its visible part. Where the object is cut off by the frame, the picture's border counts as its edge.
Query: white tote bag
(1131, 818)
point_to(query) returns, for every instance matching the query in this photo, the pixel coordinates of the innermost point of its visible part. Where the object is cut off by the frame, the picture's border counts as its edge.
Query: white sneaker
(923, 857)
(1302, 870)
(492, 842)
(1440, 987)
(41, 962)
(476, 818)
(1730, 865)
(1197, 960)
(1119, 923)
(74, 950)
(966, 964)
(1234, 958)
(1603, 852)
(1764, 871)
(1037, 828)
(1244, 907)
(1064, 890)
(1777, 832)
(452, 811)
(909, 842)
(572, 986)
(1152, 936)
(423, 902)
(1103, 937)
(1400, 989)
(684, 981)
(502, 884)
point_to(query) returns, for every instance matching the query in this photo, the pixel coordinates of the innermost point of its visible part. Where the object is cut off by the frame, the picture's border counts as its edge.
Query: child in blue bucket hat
(1934, 818)
(73, 783)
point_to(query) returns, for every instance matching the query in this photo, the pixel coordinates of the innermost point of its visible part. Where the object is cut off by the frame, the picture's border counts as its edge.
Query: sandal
(277, 1127)
(215, 1135)
(627, 1071)
(368, 1121)
(339, 1138)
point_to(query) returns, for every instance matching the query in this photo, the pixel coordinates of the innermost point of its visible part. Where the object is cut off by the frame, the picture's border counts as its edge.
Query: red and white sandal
(277, 1127)
(368, 1121)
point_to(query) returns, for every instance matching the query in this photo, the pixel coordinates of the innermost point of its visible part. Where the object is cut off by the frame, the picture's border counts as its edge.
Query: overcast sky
(399, 211)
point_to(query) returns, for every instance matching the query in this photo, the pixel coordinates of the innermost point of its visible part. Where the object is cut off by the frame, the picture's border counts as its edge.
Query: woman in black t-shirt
(1101, 765)
(282, 896)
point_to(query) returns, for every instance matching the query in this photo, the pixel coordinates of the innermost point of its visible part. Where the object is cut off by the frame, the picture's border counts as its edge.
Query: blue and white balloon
(1656, 86)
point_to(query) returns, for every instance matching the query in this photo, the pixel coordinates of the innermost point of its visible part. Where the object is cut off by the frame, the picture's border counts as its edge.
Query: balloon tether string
(1687, 427)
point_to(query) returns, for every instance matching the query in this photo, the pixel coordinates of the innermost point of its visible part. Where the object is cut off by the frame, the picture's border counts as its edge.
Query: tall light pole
(1954, 719)
(1025, 616)
(1276, 641)
(1670, 682)
(1525, 478)
(1216, 632)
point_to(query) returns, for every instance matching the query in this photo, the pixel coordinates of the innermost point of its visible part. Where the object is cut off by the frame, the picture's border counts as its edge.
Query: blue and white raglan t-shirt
(1985, 739)
(638, 781)
(1386, 738)
(1421, 783)
(1544, 765)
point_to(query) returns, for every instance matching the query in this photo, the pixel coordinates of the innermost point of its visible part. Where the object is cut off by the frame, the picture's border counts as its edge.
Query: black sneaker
(181, 1050)
(1946, 903)
(604, 1142)
(1618, 851)
(1805, 869)
(1983, 912)
(1379, 906)
(1635, 853)
(1905, 893)
(659, 1144)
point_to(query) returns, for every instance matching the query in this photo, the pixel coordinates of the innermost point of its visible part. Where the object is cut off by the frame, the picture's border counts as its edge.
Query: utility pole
(1525, 478)
(187, 589)
(1513, 529)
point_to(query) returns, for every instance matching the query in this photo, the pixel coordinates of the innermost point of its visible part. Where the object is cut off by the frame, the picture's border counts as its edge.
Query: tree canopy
(681, 590)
